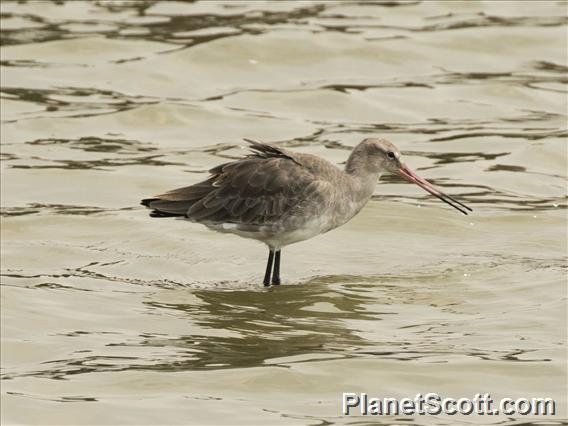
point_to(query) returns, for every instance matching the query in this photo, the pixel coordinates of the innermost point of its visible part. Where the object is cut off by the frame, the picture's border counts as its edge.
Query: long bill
(410, 176)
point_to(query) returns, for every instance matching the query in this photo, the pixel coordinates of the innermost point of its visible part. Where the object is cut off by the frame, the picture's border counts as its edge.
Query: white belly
(274, 238)
(309, 230)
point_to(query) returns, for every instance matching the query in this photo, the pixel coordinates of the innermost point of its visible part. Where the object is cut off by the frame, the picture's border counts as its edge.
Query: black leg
(268, 268)
(276, 273)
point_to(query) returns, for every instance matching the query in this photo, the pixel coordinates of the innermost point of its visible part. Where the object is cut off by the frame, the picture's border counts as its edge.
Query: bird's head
(381, 156)
(376, 156)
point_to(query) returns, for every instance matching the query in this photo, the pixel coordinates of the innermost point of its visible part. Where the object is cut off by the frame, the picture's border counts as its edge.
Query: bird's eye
(391, 155)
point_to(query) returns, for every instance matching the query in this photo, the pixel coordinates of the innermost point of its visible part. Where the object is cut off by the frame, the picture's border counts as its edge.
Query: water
(110, 317)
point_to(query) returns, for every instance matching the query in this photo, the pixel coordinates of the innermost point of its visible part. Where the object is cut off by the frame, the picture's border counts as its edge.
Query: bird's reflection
(254, 327)
(325, 318)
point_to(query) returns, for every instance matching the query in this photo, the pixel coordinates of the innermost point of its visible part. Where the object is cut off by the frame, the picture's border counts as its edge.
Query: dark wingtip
(146, 202)
(158, 213)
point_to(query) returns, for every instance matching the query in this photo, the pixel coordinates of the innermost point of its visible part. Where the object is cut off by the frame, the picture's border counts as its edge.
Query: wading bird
(280, 197)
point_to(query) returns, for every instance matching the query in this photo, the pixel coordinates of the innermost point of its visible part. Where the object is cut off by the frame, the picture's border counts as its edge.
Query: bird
(280, 197)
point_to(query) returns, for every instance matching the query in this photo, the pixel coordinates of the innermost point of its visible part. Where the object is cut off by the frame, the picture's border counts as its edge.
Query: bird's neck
(363, 177)
(358, 168)
(362, 185)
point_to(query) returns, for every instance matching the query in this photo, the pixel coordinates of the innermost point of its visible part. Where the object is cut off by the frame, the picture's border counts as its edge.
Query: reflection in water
(184, 26)
(159, 27)
(262, 325)
(94, 144)
(104, 102)
(58, 209)
(254, 327)
(327, 317)
(75, 102)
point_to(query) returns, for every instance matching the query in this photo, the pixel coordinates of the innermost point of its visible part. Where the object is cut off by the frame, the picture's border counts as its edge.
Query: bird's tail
(165, 208)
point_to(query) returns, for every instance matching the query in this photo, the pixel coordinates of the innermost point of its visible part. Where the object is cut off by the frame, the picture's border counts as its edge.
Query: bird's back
(260, 189)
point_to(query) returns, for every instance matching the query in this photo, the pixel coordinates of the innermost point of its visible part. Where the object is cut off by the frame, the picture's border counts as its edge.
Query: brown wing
(255, 190)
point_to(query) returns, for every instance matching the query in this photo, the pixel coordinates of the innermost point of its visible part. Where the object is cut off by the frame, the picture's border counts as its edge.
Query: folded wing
(259, 189)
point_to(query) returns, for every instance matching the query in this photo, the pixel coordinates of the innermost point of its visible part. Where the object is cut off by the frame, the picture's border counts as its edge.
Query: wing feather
(256, 190)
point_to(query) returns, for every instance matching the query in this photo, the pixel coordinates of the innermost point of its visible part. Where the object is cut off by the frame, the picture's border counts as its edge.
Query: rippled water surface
(111, 317)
